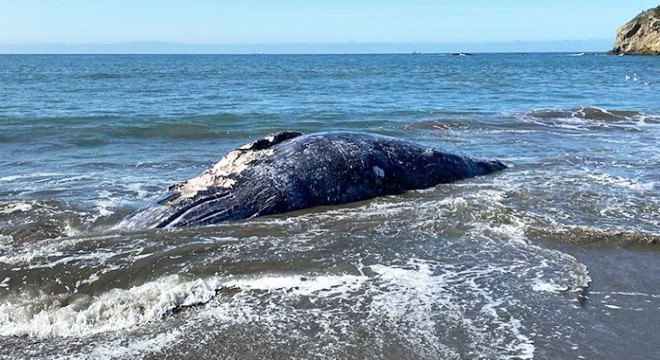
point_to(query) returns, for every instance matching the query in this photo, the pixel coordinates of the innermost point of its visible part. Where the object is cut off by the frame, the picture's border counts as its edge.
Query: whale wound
(234, 162)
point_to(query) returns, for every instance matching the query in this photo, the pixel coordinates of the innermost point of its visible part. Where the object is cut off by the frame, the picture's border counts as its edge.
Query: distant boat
(462, 54)
(578, 54)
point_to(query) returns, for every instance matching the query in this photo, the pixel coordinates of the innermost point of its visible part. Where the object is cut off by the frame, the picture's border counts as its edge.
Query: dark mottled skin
(310, 170)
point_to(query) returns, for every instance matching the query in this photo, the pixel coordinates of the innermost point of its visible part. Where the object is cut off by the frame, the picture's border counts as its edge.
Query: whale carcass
(290, 171)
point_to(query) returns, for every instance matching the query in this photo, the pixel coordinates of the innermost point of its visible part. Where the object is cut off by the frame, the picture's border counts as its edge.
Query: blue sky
(299, 21)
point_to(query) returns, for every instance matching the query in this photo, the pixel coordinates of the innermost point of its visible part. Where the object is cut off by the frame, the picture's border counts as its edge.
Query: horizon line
(293, 42)
(165, 47)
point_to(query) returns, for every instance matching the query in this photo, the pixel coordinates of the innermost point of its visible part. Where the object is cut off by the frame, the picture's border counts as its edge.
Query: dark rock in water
(639, 36)
(289, 171)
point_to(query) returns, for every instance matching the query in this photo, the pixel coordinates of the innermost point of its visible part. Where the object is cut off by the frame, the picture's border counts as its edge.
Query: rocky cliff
(641, 35)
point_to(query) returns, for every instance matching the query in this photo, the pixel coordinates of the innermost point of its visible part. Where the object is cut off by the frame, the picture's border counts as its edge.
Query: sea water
(555, 257)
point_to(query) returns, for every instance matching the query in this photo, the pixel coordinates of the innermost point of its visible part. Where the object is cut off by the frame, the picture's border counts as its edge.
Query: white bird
(627, 77)
(635, 77)
(647, 83)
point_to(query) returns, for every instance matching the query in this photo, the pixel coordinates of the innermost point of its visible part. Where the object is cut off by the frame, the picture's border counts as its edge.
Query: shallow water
(553, 258)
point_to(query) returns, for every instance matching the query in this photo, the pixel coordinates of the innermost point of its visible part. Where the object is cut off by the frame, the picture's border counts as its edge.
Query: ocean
(557, 257)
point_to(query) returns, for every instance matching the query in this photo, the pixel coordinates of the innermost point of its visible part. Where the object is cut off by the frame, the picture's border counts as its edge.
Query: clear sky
(308, 21)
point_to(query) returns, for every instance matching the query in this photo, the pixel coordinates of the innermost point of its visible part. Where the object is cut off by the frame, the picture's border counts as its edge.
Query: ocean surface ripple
(555, 257)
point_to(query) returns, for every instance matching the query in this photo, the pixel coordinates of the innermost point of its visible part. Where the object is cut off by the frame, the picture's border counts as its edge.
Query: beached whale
(289, 171)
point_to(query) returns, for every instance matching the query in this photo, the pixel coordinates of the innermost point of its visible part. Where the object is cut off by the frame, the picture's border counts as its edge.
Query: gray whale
(290, 171)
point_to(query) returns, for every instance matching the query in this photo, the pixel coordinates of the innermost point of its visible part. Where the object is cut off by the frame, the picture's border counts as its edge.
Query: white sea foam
(322, 286)
(610, 306)
(586, 119)
(136, 348)
(70, 178)
(139, 190)
(17, 207)
(11, 177)
(623, 293)
(412, 298)
(617, 181)
(117, 309)
(543, 286)
(26, 255)
(29, 176)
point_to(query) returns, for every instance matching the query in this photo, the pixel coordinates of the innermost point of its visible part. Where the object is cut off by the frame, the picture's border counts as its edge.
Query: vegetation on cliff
(641, 35)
